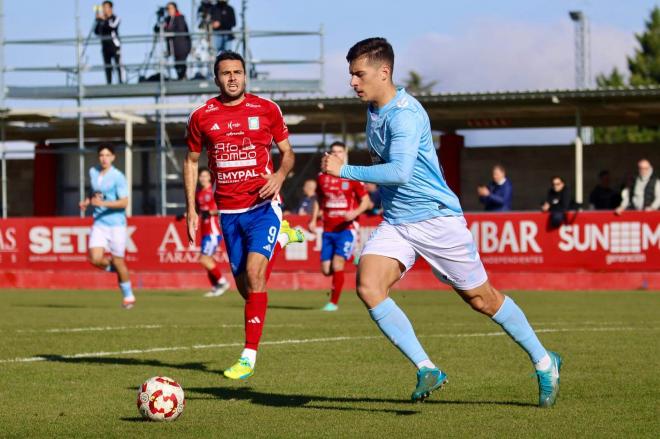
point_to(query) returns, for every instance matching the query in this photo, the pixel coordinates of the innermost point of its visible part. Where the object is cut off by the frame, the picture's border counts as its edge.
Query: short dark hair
(603, 173)
(500, 167)
(107, 146)
(204, 169)
(375, 49)
(109, 3)
(228, 54)
(337, 143)
(176, 8)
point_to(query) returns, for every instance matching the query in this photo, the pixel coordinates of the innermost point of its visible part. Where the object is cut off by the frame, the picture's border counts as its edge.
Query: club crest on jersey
(253, 123)
(344, 185)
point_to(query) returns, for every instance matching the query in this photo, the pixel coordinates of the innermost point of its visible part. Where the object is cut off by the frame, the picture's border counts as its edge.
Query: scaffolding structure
(156, 86)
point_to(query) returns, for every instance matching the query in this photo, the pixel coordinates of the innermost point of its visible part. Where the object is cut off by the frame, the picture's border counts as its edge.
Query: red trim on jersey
(238, 140)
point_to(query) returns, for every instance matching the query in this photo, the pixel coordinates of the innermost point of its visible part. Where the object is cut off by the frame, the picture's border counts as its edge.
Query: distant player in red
(211, 237)
(238, 129)
(342, 202)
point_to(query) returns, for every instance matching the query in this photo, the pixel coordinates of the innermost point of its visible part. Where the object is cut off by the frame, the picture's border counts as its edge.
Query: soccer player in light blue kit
(422, 217)
(109, 197)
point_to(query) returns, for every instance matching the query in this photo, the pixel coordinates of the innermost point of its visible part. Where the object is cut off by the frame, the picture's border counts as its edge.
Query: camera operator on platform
(177, 46)
(107, 27)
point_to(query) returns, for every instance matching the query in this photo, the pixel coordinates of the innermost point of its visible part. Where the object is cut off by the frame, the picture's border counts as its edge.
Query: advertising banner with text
(508, 242)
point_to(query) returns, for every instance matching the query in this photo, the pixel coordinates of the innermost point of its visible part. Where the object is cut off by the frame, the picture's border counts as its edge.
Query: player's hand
(483, 191)
(331, 164)
(97, 201)
(192, 222)
(83, 204)
(273, 185)
(350, 215)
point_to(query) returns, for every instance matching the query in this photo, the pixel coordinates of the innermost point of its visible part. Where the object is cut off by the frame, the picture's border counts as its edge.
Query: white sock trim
(251, 355)
(544, 363)
(426, 363)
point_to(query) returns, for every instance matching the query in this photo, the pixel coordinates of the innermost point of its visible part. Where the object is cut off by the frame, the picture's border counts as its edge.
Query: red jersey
(206, 203)
(338, 196)
(238, 140)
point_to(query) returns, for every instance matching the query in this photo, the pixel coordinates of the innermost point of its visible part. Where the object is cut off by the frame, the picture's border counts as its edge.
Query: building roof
(312, 115)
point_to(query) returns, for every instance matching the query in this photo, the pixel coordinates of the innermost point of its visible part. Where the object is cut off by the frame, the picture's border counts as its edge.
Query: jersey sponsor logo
(253, 123)
(231, 125)
(230, 155)
(251, 105)
(215, 127)
(211, 107)
(235, 133)
(230, 177)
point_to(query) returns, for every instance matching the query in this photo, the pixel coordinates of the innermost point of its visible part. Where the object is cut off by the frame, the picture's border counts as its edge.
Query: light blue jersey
(112, 185)
(406, 166)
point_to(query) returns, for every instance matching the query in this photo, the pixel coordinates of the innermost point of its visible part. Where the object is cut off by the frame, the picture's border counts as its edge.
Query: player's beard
(233, 94)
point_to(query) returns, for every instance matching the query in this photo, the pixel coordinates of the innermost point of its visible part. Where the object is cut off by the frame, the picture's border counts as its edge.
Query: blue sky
(467, 45)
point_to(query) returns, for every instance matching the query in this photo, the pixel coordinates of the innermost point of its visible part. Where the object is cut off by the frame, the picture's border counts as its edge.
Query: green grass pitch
(322, 374)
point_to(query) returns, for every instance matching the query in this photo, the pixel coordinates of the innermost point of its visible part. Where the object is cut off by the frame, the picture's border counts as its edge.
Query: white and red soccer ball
(160, 399)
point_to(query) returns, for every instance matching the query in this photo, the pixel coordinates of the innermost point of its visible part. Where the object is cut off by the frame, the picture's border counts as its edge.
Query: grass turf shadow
(301, 401)
(201, 367)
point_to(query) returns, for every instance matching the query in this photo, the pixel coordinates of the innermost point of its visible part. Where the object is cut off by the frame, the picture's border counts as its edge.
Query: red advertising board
(593, 242)
(590, 241)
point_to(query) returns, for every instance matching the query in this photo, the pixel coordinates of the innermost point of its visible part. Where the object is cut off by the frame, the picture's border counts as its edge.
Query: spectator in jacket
(497, 196)
(107, 27)
(306, 205)
(644, 192)
(603, 197)
(557, 202)
(222, 19)
(178, 46)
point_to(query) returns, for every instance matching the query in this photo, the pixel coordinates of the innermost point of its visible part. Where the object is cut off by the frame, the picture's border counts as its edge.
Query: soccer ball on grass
(160, 399)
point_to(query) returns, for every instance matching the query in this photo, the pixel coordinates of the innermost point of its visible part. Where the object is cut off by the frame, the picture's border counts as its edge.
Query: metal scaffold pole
(5, 204)
(161, 126)
(81, 119)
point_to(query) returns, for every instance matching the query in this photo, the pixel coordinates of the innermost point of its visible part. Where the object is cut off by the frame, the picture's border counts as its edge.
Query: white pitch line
(123, 328)
(298, 341)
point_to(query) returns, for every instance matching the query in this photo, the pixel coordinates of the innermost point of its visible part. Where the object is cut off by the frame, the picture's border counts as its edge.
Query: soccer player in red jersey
(211, 237)
(238, 130)
(342, 202)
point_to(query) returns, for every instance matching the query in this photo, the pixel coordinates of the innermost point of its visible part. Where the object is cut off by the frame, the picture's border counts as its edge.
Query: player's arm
(403, 153)
(121, 203)
(315, 216)
(190, 175)
(365, 204)
(274, 181)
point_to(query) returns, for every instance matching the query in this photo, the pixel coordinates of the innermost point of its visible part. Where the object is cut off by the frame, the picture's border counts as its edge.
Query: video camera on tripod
(205, 13)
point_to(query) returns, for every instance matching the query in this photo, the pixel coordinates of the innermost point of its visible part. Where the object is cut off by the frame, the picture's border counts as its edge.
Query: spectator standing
(376, 204)
(644, 192)
(223, 19)
(107, 27)
(497, 196)
(557, 202)
(306, 205)
(603, 197)
(178, 46)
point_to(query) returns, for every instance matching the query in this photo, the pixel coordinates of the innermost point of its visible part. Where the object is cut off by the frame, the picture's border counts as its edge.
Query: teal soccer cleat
(549, 381)
(428, 380)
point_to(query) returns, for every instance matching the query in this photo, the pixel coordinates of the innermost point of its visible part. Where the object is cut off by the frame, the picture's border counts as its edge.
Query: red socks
(214, 275)
(269, 268)
(337, 285)
(255, 314)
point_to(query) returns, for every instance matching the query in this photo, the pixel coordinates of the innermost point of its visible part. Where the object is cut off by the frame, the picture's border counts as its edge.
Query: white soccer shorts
(111, 238)
(444, 242)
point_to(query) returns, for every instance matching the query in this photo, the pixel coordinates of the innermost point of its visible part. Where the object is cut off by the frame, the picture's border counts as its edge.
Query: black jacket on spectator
(108, 29)
(604, 198)
(224, 13)
(180, 45)
(560, 202)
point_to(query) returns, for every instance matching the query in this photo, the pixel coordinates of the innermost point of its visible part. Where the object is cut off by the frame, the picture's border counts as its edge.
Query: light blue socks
(511, 318)
(126, 289)
(396, 326)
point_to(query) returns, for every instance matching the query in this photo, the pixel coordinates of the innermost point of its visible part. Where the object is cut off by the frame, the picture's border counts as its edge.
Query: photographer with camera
(177, 46)
(107, 26)
(222, 19)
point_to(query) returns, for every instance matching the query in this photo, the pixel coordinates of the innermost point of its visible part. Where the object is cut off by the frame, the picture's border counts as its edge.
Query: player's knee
(96, 260)
(485, 304)
(366, 289)
(256, 277)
